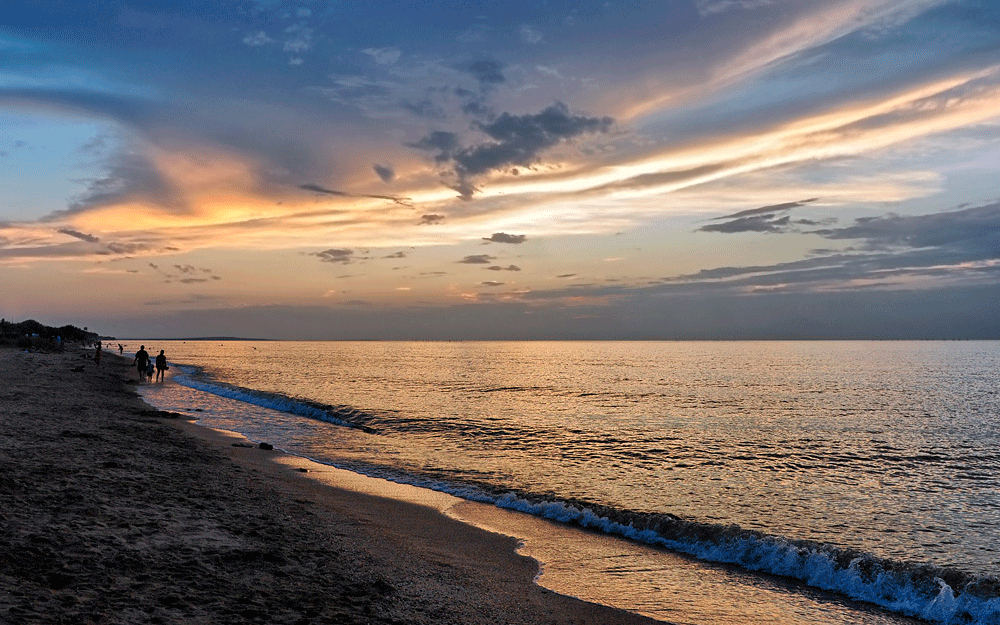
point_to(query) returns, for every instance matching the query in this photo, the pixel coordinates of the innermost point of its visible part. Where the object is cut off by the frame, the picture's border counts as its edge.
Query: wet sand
(117, 513)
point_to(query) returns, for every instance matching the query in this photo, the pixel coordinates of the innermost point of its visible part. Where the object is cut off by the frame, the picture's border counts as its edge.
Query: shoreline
(124, 514)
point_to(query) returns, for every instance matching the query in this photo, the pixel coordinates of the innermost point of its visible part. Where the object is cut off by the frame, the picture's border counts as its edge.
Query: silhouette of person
(161, 366)
(97, 354)
(121, 349)
(140, 362)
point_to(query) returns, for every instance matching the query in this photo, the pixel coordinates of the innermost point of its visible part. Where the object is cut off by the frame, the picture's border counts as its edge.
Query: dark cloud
(318, 189)
(335, 256)
(185, 268)
(424, 109)
(567, 275)
(116, 247)
(507, 268)
(477, 108)
(396, 255)
(500, 237)
(445, 143)
(763, 210)
(430, 220)
(79, 235)
(477, 259)
(385, 172)
(763, 219)
(516, 141)
(128, 177)
(759, 223)
(974, 231)
(487, 72)
(315, 188)
(952, 247)
(491, 283)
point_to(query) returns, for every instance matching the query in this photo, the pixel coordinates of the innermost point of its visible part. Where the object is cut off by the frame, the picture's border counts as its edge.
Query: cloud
(763, 219)
(500, 237)
(430, 220)
(530, 35)
(491, 283)
(383, 56)
(516, 141)
(396, 255)
(445, 143)
(507, 268)
(425, 109)
(477, 259)
(487, 72)
(129, 177)
(299, 39)
(711, 7)
(385, 172)
(972, 232)
(566, 275)
(257, 39)
(315, 188)
(319, 189)
(334, 255)
(959, 246)
(79, 235)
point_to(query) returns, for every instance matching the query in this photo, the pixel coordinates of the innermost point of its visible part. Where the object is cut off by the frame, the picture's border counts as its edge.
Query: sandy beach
(117, 513)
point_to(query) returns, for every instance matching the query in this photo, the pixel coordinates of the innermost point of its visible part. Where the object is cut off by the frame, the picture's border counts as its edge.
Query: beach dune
(117, 513)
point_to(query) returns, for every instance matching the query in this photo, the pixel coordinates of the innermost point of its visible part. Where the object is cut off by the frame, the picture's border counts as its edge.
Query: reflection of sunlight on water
(587, 565)
(659, 584)
(885, 448)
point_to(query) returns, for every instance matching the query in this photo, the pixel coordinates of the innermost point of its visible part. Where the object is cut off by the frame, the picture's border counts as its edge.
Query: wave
(935, 594)
(345, 416)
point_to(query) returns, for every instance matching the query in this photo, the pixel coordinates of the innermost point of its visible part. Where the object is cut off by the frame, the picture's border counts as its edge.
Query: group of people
(145, 365)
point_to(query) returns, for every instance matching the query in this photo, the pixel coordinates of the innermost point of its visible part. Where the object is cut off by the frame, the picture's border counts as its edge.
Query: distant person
(161, 366)
(141, 361)
(97, 354)
(121, 349)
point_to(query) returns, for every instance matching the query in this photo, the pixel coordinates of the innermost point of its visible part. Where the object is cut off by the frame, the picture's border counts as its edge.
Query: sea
(777, 482)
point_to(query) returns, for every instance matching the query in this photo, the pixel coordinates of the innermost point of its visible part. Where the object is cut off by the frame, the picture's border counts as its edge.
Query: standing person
(140, 362)
(121, 349)
(97, 354)
(161, 366)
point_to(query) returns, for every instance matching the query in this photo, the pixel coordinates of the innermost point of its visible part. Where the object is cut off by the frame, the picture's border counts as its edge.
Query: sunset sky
(623, 169)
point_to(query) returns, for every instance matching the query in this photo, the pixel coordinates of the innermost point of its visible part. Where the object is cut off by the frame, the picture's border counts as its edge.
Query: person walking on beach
(121, 349)
(161, 366)
(97, 354)
(140, 362)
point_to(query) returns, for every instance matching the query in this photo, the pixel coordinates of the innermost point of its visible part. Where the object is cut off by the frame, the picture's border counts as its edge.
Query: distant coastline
(196, 338)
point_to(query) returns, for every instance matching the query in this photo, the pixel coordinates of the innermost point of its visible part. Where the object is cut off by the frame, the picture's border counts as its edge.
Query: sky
(681, 169)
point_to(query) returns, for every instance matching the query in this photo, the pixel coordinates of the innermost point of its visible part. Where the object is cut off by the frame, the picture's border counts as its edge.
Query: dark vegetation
(35, 336)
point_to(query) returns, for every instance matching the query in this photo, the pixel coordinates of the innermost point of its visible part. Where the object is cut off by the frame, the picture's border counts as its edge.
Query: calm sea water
(859, 470)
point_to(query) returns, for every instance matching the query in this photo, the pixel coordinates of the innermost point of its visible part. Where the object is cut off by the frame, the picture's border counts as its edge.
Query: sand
(117, 513)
